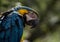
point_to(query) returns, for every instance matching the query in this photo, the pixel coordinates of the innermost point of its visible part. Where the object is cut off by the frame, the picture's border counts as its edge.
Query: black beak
(33, 23)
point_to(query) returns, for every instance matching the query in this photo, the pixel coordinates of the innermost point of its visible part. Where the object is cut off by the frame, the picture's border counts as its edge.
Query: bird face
(29, 16)
(31, 19)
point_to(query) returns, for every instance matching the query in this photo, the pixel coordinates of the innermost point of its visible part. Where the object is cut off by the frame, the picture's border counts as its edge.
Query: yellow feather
(23, 11)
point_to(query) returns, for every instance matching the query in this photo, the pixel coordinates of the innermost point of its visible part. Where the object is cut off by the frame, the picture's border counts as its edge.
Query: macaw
(13, 23)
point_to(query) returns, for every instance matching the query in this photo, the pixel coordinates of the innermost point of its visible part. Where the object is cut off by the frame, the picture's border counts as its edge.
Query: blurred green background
(48, 29)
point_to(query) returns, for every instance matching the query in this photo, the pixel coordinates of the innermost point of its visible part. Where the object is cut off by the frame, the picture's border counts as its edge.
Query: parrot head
(29, 15)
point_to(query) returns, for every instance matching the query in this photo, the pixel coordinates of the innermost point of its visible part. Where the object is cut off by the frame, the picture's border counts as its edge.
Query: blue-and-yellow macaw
(13, 23)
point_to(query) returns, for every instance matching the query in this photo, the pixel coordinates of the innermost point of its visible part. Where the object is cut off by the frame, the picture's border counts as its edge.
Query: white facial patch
(31, 16)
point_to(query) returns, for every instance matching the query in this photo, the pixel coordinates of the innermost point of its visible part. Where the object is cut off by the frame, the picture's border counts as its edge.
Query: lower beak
(35, 23)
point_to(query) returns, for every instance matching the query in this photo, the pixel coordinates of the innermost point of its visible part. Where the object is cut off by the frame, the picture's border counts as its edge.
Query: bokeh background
(48, 29)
